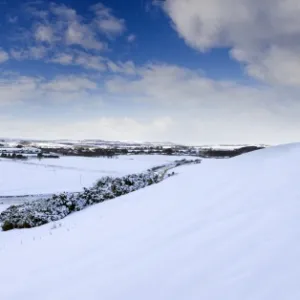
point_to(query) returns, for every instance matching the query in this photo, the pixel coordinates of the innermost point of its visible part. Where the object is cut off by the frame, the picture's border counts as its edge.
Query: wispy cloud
(106, 22)
(79, 58)
(93, 62)
(30, 53)
(44, 33)
(3, 56)
(59, 24)
(131, 38)
(69, 84)
(13, 19)
(58, 34)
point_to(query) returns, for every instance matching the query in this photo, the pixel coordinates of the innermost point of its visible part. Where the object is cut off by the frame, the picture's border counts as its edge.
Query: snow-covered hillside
(224, 229)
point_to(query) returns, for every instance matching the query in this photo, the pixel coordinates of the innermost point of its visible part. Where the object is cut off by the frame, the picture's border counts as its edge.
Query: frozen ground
(224, 229)
(69, 174)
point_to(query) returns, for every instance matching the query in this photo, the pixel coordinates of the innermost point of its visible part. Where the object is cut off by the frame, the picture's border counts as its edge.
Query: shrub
(57, 207)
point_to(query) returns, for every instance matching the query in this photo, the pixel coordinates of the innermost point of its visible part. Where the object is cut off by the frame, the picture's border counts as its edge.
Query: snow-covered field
(224, 229)
(69, 174)
(3, 207)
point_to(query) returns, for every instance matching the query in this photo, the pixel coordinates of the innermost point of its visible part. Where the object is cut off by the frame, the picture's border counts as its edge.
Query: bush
(57, 207)
(7, 225)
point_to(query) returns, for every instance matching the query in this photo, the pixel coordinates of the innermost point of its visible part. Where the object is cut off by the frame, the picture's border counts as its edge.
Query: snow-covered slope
(224, 229)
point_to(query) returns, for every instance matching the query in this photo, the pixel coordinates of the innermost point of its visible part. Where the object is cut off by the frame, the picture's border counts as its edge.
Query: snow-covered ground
(224, 229)
(3, 207)
(69, 174)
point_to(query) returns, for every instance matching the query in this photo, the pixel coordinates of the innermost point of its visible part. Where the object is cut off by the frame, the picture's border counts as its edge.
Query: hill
(224, 229)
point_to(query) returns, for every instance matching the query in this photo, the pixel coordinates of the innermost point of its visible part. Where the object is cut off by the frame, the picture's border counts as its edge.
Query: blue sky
(192, 72)
(157, 41)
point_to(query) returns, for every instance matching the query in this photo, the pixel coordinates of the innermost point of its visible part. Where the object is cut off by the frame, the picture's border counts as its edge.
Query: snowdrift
(224, 229)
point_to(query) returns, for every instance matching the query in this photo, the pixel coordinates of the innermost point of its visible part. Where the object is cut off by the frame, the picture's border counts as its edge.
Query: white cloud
(63, 59)
(37, 52)
(69, 84)
(109, 128)
(60, 35)
(131, 38)
(79, 34)
(160, 102)
(82, 59)
(128, 67)
(62, 25)
(31, 53)
(263, 34)
(64, 12)
(3, 56)
(110, 26)
(17, 89)
(32, 8)
(93, 62)
(106, 21)
(44, 34)
(89, 61)
(209, 111)
(279, 66)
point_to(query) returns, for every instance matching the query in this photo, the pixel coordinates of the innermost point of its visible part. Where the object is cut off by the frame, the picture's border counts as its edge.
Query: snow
(68, 174)
(3, 207)
(229, 147)
(224, 229)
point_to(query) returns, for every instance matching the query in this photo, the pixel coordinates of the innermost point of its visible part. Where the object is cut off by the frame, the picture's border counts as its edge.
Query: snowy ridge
(225, 229)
